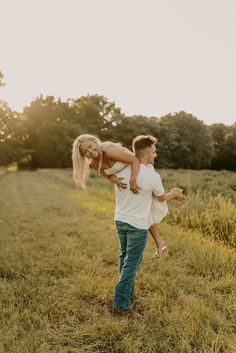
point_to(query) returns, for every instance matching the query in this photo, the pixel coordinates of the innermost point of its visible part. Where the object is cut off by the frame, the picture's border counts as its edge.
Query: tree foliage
(11, 135)
(51, 126)
(47, 128)
(2, 84)
(187, 139)
(96, 115)
(224, 138)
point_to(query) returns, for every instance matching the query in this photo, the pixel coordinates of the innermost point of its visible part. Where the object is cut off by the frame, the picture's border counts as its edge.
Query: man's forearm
(170, 196)
(165, 197)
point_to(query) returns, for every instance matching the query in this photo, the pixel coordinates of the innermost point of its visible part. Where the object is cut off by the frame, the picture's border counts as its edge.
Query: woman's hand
(118, 181)
(134, 187)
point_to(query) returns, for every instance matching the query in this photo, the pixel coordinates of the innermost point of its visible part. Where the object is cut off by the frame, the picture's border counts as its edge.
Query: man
(132, 218)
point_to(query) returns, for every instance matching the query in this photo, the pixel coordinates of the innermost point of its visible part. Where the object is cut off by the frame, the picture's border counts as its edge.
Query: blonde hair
(81, 162)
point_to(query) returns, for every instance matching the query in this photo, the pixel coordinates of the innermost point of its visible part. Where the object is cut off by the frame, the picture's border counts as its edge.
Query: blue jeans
(132, 244)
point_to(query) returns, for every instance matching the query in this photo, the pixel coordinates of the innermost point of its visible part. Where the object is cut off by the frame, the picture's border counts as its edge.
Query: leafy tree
(51, 129)
(224, 141)
(97, 115)
(229, 150)
(188, 141)
(11, 135)
(10, 132)
(218, 133)
(129, 127)
(47, 128)
(53, 125)
(167, 135)
(2, 84)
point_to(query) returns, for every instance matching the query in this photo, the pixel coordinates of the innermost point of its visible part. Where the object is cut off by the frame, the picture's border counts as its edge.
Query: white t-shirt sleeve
(157, 187)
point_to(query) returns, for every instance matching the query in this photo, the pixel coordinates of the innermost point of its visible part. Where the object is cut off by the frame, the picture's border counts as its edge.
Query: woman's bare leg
(159, 242)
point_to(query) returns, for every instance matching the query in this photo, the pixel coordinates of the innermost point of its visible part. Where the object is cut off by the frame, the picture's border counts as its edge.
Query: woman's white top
(118, 166)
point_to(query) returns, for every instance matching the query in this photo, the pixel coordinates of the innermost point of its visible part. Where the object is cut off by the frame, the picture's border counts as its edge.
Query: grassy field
(58, 268)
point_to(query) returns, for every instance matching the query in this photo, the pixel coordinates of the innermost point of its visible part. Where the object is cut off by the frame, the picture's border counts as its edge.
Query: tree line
(42, 135)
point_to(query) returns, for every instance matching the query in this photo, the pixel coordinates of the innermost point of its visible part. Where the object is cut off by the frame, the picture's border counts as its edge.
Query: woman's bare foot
(162, 249)
(183, 201)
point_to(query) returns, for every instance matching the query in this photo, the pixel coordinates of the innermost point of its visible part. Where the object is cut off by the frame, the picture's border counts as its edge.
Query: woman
(109, 158)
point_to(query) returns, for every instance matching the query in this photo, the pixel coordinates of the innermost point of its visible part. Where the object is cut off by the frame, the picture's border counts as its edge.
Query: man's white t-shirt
(135, 209)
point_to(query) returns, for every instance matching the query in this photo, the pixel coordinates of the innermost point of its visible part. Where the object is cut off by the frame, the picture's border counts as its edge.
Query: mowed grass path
(58, 268)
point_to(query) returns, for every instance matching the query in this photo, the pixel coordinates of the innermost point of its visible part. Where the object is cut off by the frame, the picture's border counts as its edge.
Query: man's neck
(143, 161)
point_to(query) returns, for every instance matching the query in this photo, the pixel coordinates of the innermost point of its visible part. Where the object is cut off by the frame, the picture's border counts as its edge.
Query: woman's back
(117, 166)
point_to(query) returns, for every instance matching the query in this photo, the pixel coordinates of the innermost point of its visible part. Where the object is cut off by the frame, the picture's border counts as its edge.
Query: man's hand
(134, 187)
(118, 181)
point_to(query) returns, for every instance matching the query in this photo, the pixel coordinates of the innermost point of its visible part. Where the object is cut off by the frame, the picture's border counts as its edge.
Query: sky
(151, 57)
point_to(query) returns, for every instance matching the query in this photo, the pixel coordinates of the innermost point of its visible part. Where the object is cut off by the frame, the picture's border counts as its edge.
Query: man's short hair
(141, 142)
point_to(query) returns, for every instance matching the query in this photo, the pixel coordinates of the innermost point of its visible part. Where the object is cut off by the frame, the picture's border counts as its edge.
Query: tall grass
(206, 182)
(214, 217)
(211, 206)
(58, 269)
